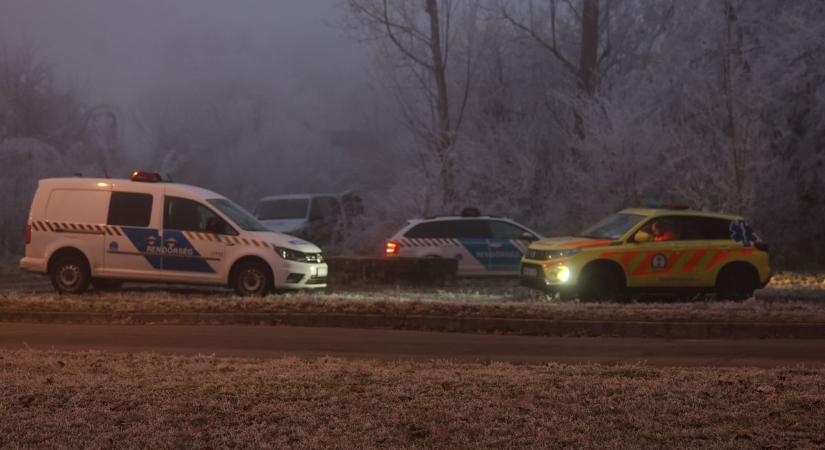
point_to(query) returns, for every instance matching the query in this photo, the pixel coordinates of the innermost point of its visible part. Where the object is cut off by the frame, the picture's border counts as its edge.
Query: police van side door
(191, 249)
(132, 234)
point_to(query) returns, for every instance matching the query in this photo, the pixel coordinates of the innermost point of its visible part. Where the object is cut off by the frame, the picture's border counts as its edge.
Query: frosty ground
(101, 399)
(790, 298)
(92, 399)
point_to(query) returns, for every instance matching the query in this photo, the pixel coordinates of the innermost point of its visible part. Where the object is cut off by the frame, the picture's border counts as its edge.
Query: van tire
(70, 274)
(251, 279)
(106, 284)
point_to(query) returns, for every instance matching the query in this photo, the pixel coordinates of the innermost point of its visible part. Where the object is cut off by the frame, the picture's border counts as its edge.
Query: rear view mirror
(642, 236)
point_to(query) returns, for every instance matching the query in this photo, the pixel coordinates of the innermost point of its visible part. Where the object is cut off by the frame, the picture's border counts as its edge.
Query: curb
(481, 325)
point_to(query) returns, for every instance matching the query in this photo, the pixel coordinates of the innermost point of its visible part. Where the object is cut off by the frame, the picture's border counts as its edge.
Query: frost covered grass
(391, 302)
(791, 297)
(92, 400)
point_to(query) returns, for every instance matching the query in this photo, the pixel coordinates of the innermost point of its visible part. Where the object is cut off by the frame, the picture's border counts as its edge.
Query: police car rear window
(130, 209)
(456, 229)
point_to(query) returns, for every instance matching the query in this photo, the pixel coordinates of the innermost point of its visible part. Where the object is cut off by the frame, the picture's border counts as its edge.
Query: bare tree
(537, 23)
(419, 43)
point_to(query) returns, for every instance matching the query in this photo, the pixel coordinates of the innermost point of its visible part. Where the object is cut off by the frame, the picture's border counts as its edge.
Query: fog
(115, 52)
(552, 113)
(115, 49)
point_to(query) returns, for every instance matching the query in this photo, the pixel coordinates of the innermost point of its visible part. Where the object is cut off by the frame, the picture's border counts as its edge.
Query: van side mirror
(642, 237)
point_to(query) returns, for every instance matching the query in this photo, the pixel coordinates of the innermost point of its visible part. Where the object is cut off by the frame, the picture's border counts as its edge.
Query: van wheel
(106, 284)
(735, 283)
(70, 274)
(252, 278)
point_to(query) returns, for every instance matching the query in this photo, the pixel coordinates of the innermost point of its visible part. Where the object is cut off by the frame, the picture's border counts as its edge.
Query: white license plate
(530, 271)
(322, 271)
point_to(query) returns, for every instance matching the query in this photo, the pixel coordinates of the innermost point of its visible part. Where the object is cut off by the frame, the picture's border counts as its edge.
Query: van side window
(130, 209)
(187, 215)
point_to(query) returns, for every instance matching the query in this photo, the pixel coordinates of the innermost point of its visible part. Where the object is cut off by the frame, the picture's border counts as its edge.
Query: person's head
(656, 228)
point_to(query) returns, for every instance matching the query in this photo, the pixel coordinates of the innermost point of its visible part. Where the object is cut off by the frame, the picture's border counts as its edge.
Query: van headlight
(295, 255)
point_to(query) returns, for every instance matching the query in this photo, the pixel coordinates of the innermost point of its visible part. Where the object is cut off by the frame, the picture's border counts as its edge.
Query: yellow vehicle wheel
(601, 281)
(736, 282)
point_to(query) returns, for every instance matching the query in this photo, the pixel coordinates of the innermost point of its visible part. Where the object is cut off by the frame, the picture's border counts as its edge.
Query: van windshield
(237, 214)
(283, 208)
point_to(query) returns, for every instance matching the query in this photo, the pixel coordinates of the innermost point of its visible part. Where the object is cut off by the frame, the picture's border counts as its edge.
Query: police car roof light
(147, 177)
(470, 212)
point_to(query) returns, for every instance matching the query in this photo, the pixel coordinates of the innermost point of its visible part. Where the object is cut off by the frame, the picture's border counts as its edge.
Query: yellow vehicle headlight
(563, 274)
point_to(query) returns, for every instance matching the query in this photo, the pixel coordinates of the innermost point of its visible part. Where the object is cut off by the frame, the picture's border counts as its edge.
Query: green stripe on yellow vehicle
(672, 250)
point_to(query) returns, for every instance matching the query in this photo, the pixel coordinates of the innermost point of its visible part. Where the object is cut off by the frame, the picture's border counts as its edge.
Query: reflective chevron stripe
(429, 242)
(641, 263)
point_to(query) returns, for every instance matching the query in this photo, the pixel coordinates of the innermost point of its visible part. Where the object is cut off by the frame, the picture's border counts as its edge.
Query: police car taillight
(28, 234)
(392, 248)
(146, 177)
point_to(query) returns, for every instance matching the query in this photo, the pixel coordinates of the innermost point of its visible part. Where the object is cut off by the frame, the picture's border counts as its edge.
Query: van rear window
(130, 209)
(77, 206)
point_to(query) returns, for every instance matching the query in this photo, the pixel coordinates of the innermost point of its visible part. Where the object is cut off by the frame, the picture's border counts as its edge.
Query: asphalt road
(278, 341)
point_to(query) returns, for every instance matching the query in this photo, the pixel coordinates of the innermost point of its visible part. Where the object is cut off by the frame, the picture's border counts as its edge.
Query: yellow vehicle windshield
(613, 227)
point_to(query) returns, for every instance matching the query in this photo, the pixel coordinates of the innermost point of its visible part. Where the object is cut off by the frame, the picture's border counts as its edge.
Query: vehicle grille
(316, 280)
(314, 257)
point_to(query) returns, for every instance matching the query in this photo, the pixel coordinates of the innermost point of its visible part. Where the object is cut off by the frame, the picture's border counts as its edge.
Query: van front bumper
(303, 276)
(29, 264)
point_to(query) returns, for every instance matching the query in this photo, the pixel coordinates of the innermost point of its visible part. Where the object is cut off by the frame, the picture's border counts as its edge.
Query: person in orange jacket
(661, 233)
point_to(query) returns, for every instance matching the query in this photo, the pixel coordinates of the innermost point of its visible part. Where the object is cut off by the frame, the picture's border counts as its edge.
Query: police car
(102, 232)
(483, 245)
(668, 249)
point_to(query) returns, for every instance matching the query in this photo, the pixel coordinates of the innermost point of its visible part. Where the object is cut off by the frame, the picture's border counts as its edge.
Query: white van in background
(104, 231)
(320, 218)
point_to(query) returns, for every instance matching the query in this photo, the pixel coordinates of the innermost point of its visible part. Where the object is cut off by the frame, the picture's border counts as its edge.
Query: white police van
(106, 231)
(483, 245)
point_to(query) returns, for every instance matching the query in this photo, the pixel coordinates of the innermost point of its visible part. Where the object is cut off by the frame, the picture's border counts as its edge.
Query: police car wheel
(70, 275)
(252, 279)
(106, 284)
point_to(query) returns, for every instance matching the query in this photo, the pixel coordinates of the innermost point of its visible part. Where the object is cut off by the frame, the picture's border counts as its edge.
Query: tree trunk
(588, 58)
(442, 139)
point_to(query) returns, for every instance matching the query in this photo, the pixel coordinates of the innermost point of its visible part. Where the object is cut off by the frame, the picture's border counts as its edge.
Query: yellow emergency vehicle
(669, 249)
